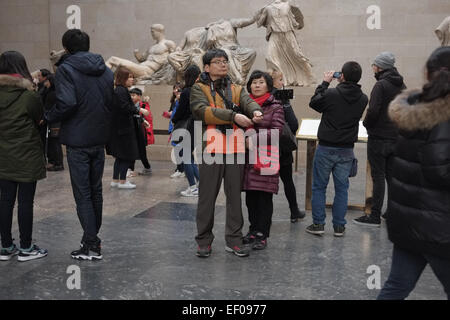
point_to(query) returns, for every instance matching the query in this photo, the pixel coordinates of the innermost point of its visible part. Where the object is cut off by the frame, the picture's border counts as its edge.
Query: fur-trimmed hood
(10, 81)
(419, 116)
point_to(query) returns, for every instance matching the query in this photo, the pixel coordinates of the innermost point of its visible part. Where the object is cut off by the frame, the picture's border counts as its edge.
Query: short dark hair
(260, 74)
(45, 72)
(136, 91)
(121, 76)
(190, 75)
(213, 53)
(51, 78)
(352, 71)
(75, 40)
(14, 62)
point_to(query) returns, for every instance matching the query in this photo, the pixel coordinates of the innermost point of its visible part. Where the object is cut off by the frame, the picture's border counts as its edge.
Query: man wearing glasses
(221, 106)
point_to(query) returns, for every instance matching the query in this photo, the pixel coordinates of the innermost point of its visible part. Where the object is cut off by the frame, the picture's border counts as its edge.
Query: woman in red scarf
(262, 170)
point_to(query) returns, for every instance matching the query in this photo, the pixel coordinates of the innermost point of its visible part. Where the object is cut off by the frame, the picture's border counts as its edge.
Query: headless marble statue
(152, 61)
(283, 52)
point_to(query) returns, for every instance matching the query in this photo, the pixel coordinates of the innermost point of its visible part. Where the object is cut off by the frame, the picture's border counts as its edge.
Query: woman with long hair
(418, 215)
(184, 113)
(22, 161)
(123, 144)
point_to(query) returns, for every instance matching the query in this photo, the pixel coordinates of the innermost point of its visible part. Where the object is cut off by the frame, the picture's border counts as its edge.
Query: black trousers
(24, 191)
(379, 153)
(260, 210)
(141, 135)
(120, 168)
(54, 151)
(289, 187)
(86, 171)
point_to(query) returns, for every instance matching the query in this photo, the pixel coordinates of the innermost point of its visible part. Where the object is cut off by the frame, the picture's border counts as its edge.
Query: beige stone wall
(25, 27)
(335, 31)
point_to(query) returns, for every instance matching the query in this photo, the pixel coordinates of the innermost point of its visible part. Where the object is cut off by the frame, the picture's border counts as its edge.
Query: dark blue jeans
(406, 270)
(191, 171)
(86, 171)
(337, 161)
(24, 191)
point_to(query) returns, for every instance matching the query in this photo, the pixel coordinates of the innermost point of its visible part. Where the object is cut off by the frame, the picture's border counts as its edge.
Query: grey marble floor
(149, 250)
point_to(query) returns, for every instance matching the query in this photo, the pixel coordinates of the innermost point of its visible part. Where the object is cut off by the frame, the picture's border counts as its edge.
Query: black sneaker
(239, 251)
(7, 253)
(87, 252)
(204, 252)
(339, 231)
(30, 254)
(368, 221)
(260, 242)
(318, 229)
(249, 238)
(296, 215)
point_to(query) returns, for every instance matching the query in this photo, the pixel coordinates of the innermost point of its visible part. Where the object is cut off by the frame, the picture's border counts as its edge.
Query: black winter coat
(84, 91)
(341, 108)
(183, 113)
(378, 125)
(123, 143)
(419, 194)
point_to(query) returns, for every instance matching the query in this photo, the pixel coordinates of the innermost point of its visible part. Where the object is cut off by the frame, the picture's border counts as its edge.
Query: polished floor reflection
(149, 250)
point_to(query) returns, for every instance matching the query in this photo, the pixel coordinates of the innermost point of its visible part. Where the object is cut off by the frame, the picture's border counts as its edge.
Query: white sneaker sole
(367, 224)
(7, 258)
(128, 187)
(85, 257)
(228, 249)
(188, 194)
(33, 257)
(317, 233)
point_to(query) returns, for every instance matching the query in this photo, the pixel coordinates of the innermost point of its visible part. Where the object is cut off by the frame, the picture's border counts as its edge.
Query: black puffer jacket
(419, 195)
(341, 108)
(389, 85)
(84, 92)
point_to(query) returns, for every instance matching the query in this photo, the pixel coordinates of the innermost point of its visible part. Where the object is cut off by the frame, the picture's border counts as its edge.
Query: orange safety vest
(216, 141)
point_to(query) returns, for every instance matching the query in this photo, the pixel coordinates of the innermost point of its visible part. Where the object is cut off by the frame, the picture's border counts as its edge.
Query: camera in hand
(284, 94)
(337, 74)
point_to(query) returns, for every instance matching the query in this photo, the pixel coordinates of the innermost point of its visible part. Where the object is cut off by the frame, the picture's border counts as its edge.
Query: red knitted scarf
(262, 99)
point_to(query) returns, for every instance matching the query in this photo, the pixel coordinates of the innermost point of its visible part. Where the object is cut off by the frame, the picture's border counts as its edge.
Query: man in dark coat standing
(341, 108)
(84, 92)
(381, 130)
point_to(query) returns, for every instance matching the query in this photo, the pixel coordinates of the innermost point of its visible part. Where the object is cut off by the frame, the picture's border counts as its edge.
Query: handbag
(354, 168)
(288, 142)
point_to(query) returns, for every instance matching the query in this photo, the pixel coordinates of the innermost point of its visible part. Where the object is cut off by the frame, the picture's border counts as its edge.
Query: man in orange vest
(222, 107)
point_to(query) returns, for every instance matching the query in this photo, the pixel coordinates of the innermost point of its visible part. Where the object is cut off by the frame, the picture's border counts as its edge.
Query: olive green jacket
(21, 151)
(211, 110)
